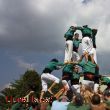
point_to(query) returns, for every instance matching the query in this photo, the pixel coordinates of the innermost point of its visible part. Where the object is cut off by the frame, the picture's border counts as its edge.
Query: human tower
(72, 61)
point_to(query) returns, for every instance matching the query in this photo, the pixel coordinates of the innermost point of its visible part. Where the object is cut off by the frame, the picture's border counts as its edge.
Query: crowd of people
(76, 95)
(70, 72)
(78, 102)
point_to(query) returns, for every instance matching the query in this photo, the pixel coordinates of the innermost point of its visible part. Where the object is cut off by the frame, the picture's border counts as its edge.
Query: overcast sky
(32, 32)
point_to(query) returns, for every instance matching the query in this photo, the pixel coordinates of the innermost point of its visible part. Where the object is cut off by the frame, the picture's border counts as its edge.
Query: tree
(30, 80)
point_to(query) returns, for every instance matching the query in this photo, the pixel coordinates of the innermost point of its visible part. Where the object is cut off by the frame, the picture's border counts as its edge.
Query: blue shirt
(56, 105)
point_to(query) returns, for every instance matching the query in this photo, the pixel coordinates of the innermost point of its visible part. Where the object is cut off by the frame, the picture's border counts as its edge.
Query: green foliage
(30, 80)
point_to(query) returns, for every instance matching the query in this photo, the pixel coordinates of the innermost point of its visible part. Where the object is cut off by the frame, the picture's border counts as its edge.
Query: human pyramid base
(76, 66)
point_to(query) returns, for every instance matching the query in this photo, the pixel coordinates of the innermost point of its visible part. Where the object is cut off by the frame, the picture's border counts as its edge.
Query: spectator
(78, 104)
(96, 103)
(107, 98)
(60, 104)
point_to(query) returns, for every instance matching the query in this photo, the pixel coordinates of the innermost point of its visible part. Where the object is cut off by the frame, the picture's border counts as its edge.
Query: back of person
(78, 103)
(96, 103)
(75, 107)
(69, 34)
(87, 31)
(59, 105)
(51, 65)
(98, 107)
(88, 66)
(68, 68)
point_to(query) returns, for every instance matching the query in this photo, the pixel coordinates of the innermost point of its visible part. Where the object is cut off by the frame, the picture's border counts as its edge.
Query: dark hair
(85, 26)
(72, 27)
(79, 100)
(76, 34)
(95, 99)
(54, 60)
(75, 66)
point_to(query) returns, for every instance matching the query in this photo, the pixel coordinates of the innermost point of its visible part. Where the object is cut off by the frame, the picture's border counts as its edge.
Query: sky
(32, 33)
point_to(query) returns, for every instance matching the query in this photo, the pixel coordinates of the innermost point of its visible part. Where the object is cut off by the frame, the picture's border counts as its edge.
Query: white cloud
(8, 85)
(23, 64)
(41, 24)
(95, 13)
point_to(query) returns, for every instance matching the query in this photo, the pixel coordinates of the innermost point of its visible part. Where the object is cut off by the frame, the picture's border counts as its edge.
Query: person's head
(76, 69)
(78, 100)
(76, 36)
(54, 60)
(95, 99)
(107, 94)
(85, 26)
(72, 27)
(63, 99)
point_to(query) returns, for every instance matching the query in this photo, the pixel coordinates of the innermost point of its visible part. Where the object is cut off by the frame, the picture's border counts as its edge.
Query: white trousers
(91, 84)
(45, 77)
(68, 50)
(96, 86)
(88, 83)
(93, 51)
(76, 88)
(87, 44)
(76, 56)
